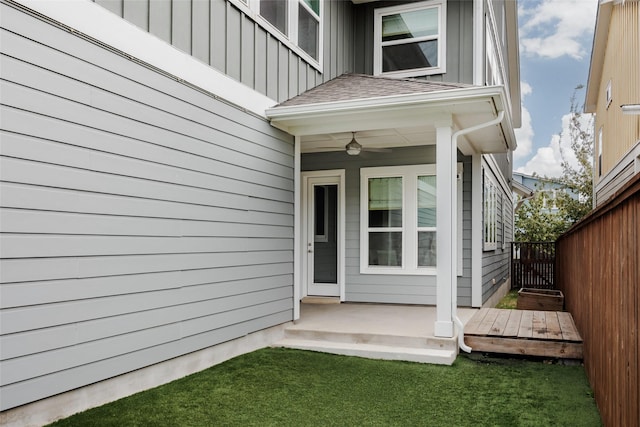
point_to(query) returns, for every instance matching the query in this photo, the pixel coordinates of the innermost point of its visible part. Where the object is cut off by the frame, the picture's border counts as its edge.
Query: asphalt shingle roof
(349, 87)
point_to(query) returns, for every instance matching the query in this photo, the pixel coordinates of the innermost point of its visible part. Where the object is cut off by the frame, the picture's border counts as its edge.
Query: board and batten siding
(222, 35)
(142, 219)
(400, 289)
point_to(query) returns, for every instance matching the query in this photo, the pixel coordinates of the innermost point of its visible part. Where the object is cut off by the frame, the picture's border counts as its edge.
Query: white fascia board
(600, 36)
(327, 117)
(521, 189)
(430, 99)
(98, 23)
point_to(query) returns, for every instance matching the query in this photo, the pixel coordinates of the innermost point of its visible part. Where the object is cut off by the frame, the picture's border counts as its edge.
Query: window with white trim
(504, 222)
(410, 39)
(297, 23)
(309, 27)
(490, 214)
(398, 220)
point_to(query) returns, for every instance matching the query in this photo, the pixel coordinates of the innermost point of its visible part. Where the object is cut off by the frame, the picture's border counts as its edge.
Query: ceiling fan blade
(377, 150)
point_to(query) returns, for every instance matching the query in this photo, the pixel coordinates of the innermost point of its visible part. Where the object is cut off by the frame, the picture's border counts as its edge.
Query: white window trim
(504, 223)
(442, 36)
(251, 8)
(409, 219)
(490, 208)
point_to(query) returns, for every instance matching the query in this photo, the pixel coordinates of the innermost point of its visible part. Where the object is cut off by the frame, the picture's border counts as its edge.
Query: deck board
(473, 324)
(513, 325)
(526, 325)
(500, 323)
(527, 332)
(568, 327)
(553, 325)
(539, 325)
(487, 323)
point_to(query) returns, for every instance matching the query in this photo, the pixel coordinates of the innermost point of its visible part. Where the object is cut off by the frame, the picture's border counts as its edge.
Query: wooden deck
(525, 332)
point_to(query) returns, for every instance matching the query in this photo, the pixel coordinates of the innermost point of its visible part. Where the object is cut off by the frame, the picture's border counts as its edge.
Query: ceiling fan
(354, 148)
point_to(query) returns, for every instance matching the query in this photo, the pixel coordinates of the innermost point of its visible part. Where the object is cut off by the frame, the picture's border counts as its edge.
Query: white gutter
(435, 98)
(454, 286)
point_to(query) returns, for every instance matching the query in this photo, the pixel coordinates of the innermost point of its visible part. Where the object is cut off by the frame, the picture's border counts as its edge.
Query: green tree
(577, 201)
(535, 221)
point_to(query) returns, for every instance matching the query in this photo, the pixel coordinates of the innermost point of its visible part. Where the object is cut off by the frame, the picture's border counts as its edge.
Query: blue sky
(555, 49)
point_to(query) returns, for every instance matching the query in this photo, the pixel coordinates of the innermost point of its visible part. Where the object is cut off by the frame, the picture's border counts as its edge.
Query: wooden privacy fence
(533, 265)
(599, 274)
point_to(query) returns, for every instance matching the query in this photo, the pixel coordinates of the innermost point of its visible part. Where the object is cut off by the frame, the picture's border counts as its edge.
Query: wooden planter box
(540, 299)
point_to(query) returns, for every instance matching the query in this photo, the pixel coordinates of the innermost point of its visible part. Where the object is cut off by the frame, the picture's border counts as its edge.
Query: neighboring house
(525, 186)
(178, 175)
(613, 94)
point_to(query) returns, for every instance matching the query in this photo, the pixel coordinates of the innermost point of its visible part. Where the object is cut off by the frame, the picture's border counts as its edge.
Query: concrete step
(395, 340)
(373, 351)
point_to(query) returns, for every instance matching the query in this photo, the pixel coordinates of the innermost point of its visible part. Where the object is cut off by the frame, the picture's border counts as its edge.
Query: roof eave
(521, 189)
(300, 120)
(600, 35)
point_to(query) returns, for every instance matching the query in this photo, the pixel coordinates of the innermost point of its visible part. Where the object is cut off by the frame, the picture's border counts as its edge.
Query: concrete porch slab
(379, 331)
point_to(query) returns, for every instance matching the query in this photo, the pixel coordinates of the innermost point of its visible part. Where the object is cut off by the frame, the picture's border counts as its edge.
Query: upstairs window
(410, 39)
(295, 23)
(275, 11)
(309, 27)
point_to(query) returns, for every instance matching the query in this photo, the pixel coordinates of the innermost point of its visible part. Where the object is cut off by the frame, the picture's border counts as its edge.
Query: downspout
(454, 285)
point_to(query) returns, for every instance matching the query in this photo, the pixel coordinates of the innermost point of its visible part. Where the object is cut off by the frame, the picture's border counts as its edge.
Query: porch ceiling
(408, 117)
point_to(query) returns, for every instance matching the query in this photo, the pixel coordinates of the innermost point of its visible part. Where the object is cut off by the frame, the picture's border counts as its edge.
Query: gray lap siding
(141, 218)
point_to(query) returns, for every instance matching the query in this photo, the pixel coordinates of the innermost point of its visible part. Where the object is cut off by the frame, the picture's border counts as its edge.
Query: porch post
(297, 229)
(446, 193)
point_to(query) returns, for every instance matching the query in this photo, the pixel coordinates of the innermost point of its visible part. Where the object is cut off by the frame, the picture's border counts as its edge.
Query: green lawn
(510, 300)
(280, 387)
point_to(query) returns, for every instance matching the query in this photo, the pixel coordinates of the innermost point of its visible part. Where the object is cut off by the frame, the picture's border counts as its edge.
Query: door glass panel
(325, 252)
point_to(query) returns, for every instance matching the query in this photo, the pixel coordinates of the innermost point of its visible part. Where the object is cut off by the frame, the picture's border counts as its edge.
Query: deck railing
(533, 265)
(599, 274)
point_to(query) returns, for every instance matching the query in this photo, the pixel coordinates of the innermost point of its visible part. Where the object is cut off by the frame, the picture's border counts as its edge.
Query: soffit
(388, 113)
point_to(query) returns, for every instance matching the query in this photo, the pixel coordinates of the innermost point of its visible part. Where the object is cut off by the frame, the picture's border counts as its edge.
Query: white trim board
(630, 158)
(98, 23)
(300, 260)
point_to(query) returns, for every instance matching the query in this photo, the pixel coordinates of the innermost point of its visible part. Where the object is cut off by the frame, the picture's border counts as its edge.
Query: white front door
(323, 238)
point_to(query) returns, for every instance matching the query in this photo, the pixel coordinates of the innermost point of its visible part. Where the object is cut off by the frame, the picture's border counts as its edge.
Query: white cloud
(555, 28)
(548, 160)
(524, 135)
